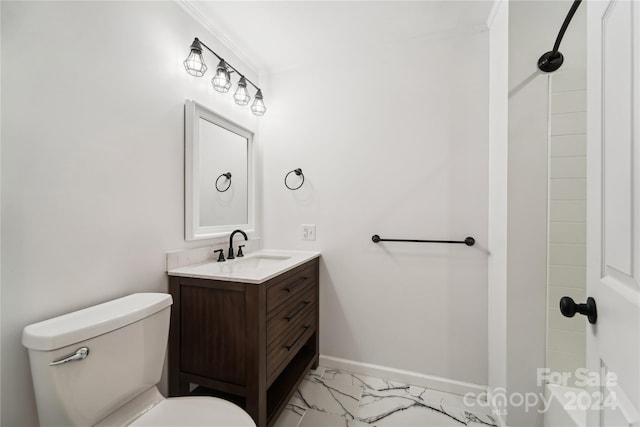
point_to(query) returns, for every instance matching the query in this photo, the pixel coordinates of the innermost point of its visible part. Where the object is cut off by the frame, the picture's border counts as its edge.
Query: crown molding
(202, 20)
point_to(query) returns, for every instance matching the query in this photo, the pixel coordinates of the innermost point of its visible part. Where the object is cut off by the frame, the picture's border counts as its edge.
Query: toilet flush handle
(79, 354)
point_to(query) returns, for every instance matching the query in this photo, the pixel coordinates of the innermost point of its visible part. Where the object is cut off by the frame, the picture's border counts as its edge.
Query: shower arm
(552, 60)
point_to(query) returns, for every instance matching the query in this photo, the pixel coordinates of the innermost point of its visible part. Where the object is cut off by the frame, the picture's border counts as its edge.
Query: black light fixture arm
(228, 65)
(553, 59)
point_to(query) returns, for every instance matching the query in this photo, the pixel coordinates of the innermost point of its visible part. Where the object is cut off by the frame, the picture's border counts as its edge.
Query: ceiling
(275, 35)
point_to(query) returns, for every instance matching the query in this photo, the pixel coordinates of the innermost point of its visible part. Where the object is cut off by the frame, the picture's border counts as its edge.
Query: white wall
(533, 27)
(392, 141)
(498, 25)
(92, 160)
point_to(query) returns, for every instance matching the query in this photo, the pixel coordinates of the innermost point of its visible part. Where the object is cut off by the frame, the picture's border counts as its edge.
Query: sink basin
(257, 261)
(256, 267)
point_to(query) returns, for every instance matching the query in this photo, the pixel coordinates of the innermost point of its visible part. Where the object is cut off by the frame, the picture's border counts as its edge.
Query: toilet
(100, 367)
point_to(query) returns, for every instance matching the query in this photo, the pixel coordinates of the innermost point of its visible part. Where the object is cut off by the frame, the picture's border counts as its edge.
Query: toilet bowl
(151, 409)
(100, 367)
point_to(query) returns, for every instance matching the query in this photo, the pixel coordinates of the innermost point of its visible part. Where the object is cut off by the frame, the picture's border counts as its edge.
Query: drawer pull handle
(291, 316)
(289, 347)
(290, 288)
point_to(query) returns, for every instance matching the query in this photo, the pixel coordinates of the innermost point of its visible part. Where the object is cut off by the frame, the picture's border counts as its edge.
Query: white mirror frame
(193, 230)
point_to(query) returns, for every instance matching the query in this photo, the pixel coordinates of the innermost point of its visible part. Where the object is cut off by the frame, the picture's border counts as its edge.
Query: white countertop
(256, 267)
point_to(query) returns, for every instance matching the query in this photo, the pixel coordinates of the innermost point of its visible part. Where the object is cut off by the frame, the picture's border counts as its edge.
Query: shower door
(613, 211)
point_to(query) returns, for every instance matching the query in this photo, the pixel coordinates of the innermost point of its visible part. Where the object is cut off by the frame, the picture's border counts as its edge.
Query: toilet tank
(127, 340)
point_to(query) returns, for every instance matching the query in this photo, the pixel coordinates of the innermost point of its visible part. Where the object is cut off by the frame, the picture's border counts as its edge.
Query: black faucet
(231, 256)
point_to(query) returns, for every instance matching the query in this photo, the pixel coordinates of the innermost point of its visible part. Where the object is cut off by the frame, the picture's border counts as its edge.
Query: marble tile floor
(329, 397)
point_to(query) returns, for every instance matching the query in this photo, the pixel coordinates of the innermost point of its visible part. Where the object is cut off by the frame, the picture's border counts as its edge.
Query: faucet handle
(240, 254)
(221, 256)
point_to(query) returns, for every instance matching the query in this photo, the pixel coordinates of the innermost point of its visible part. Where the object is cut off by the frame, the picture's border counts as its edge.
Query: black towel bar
(469, 241)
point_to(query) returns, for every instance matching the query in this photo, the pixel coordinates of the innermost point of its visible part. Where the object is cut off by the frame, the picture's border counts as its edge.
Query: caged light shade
(222, 80)
(242, 96)
(194, 64)
(258, 107)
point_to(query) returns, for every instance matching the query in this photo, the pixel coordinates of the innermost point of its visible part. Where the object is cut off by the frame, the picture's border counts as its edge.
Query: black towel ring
(297, 172)
(226, 175)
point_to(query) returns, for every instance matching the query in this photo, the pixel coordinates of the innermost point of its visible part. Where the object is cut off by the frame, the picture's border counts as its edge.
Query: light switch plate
(308, 232)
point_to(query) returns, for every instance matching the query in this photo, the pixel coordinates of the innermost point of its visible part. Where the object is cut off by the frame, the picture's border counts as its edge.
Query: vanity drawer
(288, 314)
(291, 285)
(285, 347)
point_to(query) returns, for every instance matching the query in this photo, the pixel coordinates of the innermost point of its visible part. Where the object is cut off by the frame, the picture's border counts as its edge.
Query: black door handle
(569, 308)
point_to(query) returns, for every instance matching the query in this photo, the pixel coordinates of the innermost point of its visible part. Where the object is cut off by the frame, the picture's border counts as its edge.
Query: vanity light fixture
(195, 66)
(222, 80)
(242, 96)
(258, 107)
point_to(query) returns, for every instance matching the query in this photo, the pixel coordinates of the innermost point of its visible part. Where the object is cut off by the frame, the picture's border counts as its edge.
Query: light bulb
(194, 64)
(258, 107)
(222, 80)
(242, 96)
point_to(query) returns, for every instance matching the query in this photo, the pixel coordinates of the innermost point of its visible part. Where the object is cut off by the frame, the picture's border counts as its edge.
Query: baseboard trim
(498, 414)
(400, 375)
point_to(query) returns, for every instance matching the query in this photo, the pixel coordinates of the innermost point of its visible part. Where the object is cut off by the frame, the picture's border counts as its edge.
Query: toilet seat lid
(194, 411)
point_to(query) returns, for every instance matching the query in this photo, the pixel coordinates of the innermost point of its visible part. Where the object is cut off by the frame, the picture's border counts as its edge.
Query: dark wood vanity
(251, 343)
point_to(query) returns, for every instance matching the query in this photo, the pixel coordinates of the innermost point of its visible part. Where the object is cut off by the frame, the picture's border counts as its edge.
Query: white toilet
(114, 355)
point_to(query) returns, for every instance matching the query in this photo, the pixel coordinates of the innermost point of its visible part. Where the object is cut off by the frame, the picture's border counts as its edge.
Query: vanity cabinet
(252, 343)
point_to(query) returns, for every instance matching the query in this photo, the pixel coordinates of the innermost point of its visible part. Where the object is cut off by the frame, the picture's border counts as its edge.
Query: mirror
(219, 187)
